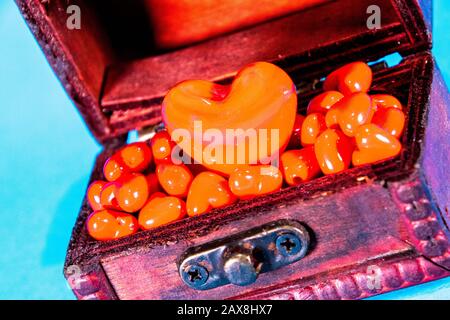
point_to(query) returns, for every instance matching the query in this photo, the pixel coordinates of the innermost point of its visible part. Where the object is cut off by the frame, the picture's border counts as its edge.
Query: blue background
(46, 154)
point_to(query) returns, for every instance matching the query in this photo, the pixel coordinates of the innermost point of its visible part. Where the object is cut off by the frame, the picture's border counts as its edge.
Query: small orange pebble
(252, 181)
(153, 183)
(108, 196)
(324, 101)
(385, 101)
(132, 192)
(114, 168)
(374, 144)
(162, 146)
(136, 156)
(351, 78)
(391, 120)
(333, 151)
(93, 194)
(313, 125)
(353, 111)
(161, 210)
(299, 165)
(208, 191)
(106, 225)
(295, 141)
(174, 179)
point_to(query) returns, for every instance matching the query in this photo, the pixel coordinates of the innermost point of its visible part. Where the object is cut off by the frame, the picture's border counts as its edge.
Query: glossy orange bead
(380, 101)
(333, 151)
(132, 192)
(136, 156)
(106, 225)
(253, 181)
(332, 118)
(295, 141)
(374, 144)
(391, 120)
(324, 101)
(108, 196)
(114, 168)
(162, 147)
(174, 179)
(261, 97)
(93, 194)
(161, 210)
(353, 111)
(313, 125)
(351, 78)
(299, 165)
(208, 191)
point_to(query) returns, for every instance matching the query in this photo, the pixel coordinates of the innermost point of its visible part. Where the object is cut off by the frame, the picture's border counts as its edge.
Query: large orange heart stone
(247, 122)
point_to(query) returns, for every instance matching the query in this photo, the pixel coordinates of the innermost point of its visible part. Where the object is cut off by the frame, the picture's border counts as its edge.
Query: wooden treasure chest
(361, 232)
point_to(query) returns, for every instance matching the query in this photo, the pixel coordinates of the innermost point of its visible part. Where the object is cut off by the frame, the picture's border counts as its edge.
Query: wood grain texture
(115, 96)
(144, 82)
(349, 228)
(303, 44)
(78, 57)
(424, 224)
(91, 286)
(427, 10)
(436, 158)
(358, 283)
(183, 22)
(427, 234)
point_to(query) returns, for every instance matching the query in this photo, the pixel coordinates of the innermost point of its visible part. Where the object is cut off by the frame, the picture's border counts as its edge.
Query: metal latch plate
(241, 258)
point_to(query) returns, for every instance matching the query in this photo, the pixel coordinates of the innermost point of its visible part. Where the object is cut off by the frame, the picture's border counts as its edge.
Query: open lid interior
(118, 66)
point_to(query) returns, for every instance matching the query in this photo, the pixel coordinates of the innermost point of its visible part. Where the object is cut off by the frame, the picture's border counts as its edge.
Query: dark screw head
(195, 275)
(288, 244)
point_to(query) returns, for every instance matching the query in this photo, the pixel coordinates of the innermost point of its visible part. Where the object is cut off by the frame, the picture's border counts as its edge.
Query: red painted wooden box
(372, 229)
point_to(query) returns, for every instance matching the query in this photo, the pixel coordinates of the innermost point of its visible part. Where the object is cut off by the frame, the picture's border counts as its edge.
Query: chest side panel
(352, 228)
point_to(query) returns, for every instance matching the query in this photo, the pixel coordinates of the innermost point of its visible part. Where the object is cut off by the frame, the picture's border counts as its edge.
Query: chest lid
(117, 61)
